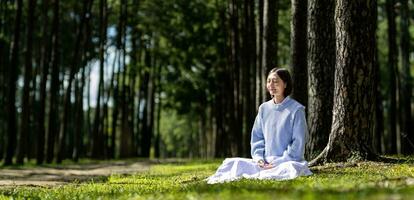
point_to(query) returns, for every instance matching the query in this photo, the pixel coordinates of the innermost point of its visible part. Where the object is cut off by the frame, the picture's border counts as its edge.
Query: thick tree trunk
(321, 67)
(407, 133)
(25, 116)
(11, 100)
(354, 93)
(299, 43)
(392, 71)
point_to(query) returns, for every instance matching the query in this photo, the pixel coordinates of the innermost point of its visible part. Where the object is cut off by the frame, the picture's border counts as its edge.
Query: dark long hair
(283, 74)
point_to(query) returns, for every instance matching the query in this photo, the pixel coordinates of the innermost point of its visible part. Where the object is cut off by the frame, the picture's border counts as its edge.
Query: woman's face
(275, 86)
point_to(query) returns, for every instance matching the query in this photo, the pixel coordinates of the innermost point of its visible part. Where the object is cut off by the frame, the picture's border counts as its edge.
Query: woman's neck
(278, 99)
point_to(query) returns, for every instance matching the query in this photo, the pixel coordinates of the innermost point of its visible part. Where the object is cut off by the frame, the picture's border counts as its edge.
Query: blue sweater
(279, 132)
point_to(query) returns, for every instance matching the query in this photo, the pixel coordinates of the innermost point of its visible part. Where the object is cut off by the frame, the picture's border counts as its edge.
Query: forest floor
(185, 179)
(55, 175)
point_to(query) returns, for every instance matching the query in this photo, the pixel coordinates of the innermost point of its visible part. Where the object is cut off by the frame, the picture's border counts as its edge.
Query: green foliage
(190, 38)
(186, 180)
(175, 133)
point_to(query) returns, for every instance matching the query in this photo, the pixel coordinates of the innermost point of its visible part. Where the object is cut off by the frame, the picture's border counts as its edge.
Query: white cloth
(236, 168)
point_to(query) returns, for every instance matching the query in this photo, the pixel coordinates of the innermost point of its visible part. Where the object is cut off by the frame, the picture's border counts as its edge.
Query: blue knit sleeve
(296, 149)
(257, 142)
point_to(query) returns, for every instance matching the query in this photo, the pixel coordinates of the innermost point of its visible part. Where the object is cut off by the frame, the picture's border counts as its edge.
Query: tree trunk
(79, 124)
(97, 139)
(260, 72)
(4, 61)
(126, 133)
(235, 73)
(298, 39)
(407, 139)
(5, 20)
(111, 144)
(89, 130)
(73, 70)
(270, 35)
(115, 114)
(25, 116)
(45, 53)
(248, 65)
(392, 69)
(354, 93)
(11, 100)
(146, 135)
(55, 84)
(139, 125)
(321, 68)
(157, 145)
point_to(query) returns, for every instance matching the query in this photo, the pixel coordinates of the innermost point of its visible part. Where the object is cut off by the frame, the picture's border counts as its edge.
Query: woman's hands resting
(264, 165)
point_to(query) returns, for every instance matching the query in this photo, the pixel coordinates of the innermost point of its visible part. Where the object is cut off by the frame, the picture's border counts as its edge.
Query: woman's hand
(264, 165)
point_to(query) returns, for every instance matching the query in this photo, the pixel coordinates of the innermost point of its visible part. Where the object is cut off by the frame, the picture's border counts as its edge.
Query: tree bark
(321, 67)
(354, 93)
(11, 100)
(298, 39)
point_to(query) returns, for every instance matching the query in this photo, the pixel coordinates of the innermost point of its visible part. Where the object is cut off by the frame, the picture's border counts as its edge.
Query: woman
(278, 138)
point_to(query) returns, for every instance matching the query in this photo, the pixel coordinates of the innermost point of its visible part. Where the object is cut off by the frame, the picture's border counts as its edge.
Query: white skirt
(236, 168)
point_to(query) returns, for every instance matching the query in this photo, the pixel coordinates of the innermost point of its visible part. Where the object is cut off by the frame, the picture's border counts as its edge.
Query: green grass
(185, 180)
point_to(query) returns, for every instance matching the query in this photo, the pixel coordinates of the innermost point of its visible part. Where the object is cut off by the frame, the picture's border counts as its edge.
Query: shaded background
(152, 78)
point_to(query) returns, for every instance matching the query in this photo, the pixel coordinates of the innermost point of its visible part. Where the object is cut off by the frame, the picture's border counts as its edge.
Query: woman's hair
(283, 74)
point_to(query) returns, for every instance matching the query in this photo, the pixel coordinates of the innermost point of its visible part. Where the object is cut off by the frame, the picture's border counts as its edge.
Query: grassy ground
(185, 180)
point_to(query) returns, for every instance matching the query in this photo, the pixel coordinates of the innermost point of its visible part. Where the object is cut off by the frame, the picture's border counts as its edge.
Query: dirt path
(54, 176)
